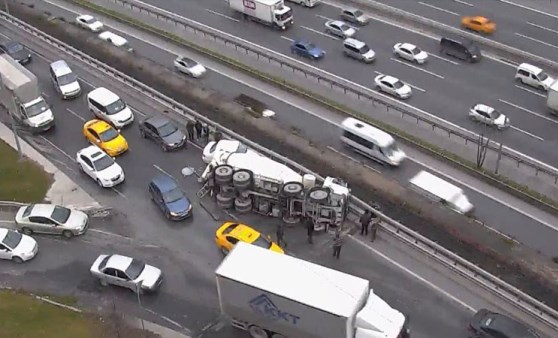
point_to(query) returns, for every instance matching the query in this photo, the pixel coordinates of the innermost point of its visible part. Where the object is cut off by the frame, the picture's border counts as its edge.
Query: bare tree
(482, 148)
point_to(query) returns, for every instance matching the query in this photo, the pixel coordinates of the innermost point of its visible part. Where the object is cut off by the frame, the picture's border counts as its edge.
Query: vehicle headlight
(173, 213)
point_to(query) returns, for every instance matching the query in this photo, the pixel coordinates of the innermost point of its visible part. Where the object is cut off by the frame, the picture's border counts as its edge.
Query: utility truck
(552, 98)
(248, 181)
(273, 13)
(271, 295)
(21, 95)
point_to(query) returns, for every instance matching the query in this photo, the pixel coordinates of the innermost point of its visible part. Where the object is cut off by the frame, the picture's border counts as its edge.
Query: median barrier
(463, 235)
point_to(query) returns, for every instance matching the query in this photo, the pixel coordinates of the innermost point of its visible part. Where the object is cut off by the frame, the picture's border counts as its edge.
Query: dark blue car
(168, 196)
(306, 49)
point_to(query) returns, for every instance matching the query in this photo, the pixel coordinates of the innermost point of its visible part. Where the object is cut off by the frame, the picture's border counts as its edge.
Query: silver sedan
(126, 272)
(51, 219)
(189, 67)
(340, 29)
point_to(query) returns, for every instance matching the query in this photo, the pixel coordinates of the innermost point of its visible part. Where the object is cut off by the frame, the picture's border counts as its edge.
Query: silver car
(189, 67)
(489, 116)
(126, 272)
(51, 219)
(355, 16)
(340, 29)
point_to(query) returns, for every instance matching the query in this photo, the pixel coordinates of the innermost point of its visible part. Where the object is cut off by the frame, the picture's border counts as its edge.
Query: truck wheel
(318, 195)
(224, 201)
(257, 332)
(223, 174)
(292, 189)
(242, 179)
(243, 205)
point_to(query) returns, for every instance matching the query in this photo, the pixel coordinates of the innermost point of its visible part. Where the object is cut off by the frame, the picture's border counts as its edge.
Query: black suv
(461, 49)
(487, 324)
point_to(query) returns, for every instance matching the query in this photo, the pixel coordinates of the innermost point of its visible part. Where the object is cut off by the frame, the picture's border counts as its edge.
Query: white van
(64, 80)
(441, 191)
(116, 40)
(107, 106)
(371, 142)
(358, 50)
(533, 76)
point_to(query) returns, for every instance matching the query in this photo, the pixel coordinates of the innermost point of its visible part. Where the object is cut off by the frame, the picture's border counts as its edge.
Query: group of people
(197, 130)
(369, 220)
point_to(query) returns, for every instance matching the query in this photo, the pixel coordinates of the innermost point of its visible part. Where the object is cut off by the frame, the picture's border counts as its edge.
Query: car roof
(98, 125)
(407, 45)
(369, 132)
(302, 41)
(337, 22)
(92, 152)
(86, 17)
(103, 96)
(484, 107)
(118, 262)
(352, 10)
(390, 79)
(116, 39)
(11, 43)
(60, 68)
(479, 18)
(530, 67)
(164, 183)
(356, 43)
(43, 210)
(504, 324)
(158, 120)
(185, 58)
(245, 233)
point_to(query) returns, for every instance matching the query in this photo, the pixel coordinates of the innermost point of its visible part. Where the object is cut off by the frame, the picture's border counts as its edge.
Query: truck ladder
(203, 191)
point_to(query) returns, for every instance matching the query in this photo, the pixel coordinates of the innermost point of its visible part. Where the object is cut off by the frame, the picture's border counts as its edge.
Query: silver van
(358, 50)
(64, 80)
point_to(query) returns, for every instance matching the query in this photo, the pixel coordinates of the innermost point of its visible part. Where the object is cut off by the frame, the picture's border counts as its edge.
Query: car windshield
(60, 214)
(495, 114)
(14, 47)
(390, 150)
(398, 84)
(135, 269)
(173, 195)
(543, 76)
(344, 27)
(241, 148)
(262, 242)
(188, 62)
(103, 163)
(89, 20)
(67, 79)
(12, 239)
(415, 50)
(109, 134)
(27, 210)
(364, 49)
(115, 107)
(358, 13)
(36, 109)
(310, 46)
(167, 129)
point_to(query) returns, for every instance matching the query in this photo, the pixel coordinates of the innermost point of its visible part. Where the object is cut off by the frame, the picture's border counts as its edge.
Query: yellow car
(104, 136)
(479, 24)
(230, 233)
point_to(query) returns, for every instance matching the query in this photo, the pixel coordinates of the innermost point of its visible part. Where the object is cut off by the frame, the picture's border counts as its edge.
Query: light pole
(14, 126)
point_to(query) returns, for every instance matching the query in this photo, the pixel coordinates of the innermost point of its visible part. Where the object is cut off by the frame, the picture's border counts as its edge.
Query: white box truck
(21, 95)
(268, 12)
(272, 295)
(552, 98)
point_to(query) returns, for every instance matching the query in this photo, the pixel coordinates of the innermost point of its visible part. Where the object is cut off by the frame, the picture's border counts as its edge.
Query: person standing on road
(337, 244)
(310, 229)
(198, 127)
(217, 136)
(280, 233)
(205, 132)
(190, 130)
(365, 222)
(375, 225)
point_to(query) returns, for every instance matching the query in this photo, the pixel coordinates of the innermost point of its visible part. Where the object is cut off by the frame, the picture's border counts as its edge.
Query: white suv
(100, 167)
(533, 76)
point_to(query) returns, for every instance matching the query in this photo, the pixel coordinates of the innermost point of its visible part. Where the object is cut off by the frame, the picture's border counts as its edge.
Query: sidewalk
(63, 189)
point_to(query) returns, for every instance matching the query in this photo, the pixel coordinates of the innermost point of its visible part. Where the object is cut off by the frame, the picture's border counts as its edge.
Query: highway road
(438, 302)
(518, 23)
(444, 87)
(505, 214)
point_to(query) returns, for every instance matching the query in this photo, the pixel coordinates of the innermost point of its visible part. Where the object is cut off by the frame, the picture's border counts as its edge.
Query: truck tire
(292, 189)
(243, 205)
(223, 174)
(318, 195)
(242, 179)
(225, 201)
(257, 332)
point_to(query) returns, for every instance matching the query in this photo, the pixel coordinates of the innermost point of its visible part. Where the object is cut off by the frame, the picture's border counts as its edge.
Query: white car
(189, 67)
(340, 29)
(489, 116)
(100, 167)
(223, 145)
(393, 86)
(17, 247)
(410, 52)
(126, 272)
(51, 219)
(89, 22)
(116, 40)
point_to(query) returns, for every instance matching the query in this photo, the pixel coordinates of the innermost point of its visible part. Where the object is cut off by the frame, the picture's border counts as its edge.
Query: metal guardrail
(491, 283)
(335, 82)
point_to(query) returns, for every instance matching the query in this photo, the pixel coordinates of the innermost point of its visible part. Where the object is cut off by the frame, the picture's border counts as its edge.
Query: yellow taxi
(104, 136)
(478, 24)
(230, 233)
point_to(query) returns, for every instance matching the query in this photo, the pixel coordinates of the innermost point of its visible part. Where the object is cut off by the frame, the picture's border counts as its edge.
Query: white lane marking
(542, 27)
(286, 38)
(45, 94)
(443, 59)
(119, 193)
(222, 15)
(464, 3)
(57, 148)
(417, 68)
(527, 133)
(321, 33)
(162, 170)
(528, 8)
(137, 111)
(530, 91)
(536, 40)
(529, 111)
(165, 318)
(75, 114)
(473, 188)
(414, 275)
(407, 83)
(438, 8)
(108, 233)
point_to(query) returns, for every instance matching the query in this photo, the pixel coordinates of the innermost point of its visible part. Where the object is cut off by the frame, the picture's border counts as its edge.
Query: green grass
(21, 181)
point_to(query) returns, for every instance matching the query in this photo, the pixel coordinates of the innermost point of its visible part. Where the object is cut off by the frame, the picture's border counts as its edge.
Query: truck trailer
(21, 95)
(273, 13)
(271, 295)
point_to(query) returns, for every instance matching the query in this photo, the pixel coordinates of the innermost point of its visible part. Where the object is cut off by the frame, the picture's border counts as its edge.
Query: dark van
(464, 50)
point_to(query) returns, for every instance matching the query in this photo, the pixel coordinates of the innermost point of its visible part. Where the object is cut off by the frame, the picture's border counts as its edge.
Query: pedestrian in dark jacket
(309, 229)
(198, 127)
(190, 130)
(337, 244)
(217, 136)
(365, 222)
(280, 233)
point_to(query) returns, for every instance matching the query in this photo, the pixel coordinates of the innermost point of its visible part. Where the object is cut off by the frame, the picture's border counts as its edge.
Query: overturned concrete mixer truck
(248, 181)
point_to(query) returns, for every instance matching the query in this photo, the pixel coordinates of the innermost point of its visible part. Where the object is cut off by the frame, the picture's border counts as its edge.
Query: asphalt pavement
(186, 251)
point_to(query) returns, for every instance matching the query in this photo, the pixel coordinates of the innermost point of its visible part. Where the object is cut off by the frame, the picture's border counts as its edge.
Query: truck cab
(283, 16)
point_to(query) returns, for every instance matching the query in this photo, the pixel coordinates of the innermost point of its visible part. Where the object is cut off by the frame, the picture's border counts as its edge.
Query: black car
(462, 49)
(17, 51)
(487, 324)
(168, 196)
(163, 131)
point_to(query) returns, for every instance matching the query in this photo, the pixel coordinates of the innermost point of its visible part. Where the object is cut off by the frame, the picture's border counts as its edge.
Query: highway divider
(541, 173)
(537, 274)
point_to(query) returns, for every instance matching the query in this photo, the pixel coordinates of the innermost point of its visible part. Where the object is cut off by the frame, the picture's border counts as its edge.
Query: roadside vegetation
(21, 181)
